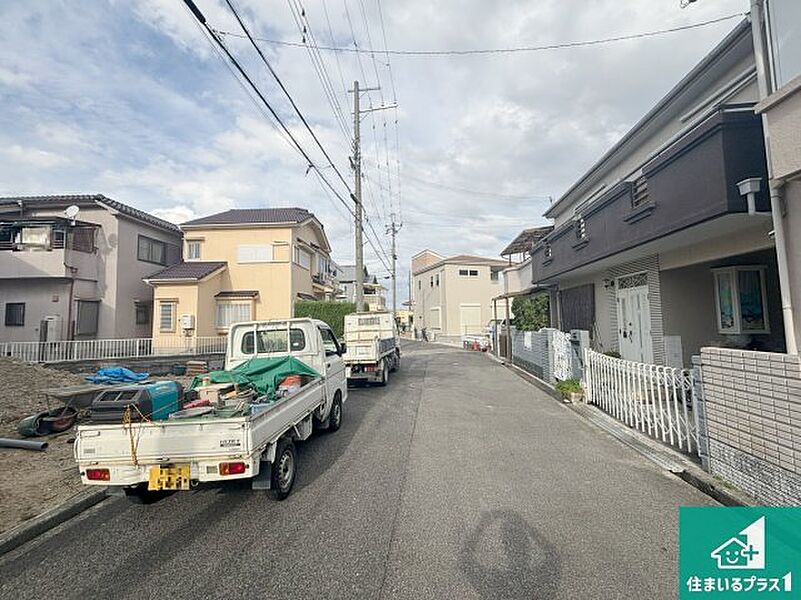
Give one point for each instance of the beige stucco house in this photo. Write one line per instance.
(72, 267)
(778, 40)
(453, 296)
(242, 264)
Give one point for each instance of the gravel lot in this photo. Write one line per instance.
(33, 482)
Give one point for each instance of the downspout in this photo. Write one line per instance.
(776, 188)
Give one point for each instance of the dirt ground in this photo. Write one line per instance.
(33, 482)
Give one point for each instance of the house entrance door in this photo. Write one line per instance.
(634, 318)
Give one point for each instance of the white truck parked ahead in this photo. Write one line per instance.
(372, 347)
(144, 458)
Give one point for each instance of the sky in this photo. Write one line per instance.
(131, 100)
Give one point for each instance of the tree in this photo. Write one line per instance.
(531, 312)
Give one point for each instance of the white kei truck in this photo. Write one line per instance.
(373, 348)
(144, 459)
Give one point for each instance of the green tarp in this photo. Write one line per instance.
(264, 374)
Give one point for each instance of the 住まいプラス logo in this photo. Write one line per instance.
(746, 550)
(739, 552)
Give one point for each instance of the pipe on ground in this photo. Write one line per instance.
(22, 444)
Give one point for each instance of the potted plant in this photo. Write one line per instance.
(571, 390)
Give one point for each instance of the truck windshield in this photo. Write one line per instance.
(273, 340)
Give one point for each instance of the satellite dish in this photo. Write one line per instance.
(71, 212)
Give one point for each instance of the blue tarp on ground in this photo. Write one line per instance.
(117, 375)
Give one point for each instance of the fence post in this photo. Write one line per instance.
(699, 411)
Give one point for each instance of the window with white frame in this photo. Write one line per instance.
(323, 264)
(229, 312)
(741, 300)
(547, 252)
(254, 253)
(436, 280)
(193, 250)
(784, 33)
(167, 316)
(302, 257)
(468, 272)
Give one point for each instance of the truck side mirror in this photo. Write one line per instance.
(342, 349)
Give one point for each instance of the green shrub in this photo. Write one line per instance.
(532, 313)
(332, 313)
(612, 354)
(569, 386)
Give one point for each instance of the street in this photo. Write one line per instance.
(457, 480)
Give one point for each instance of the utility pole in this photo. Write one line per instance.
(393, 229)
(357, 169)
(357, 195)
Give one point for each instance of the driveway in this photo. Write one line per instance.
(457, 480)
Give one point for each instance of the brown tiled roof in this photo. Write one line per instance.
(245, 216)
(66, 200)
(194, 270)
(466, 259)
(237, 294)
(526, 239)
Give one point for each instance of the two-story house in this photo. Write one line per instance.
(666, 244)
(452, 296)
(374, 292)
(241, 264)
(71, 267)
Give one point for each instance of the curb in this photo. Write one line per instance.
(532, 379)
(665, 458)
(33, 528)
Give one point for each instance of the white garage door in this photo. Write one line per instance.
(470, 319)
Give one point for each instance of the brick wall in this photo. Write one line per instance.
(753, 421)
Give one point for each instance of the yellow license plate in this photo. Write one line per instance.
(175, 477)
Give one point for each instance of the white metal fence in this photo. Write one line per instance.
(75, 350)
(656, 400)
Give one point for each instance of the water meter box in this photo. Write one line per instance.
(156, 401)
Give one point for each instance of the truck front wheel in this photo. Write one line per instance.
(283, 470)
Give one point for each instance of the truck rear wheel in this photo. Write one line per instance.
(335, 418)
(283, 470)
(384, 373)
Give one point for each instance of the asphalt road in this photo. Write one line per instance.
(457, 480)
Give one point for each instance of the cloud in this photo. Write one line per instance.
(129, 99)
(30, 156)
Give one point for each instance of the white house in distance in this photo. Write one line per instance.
(452, 296)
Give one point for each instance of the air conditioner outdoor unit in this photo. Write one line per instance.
(52, 326)
(187, 321)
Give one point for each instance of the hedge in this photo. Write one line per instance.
(332, 313)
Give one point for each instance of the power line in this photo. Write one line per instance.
(481, 193)
(302, 118)
(286, 93)
(513, 50)
(214, 39)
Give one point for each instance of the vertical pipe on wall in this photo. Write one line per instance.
(765, 88)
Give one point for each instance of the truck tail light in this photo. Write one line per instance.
(232, 468)
(98, 474)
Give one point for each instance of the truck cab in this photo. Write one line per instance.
(309, 340)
